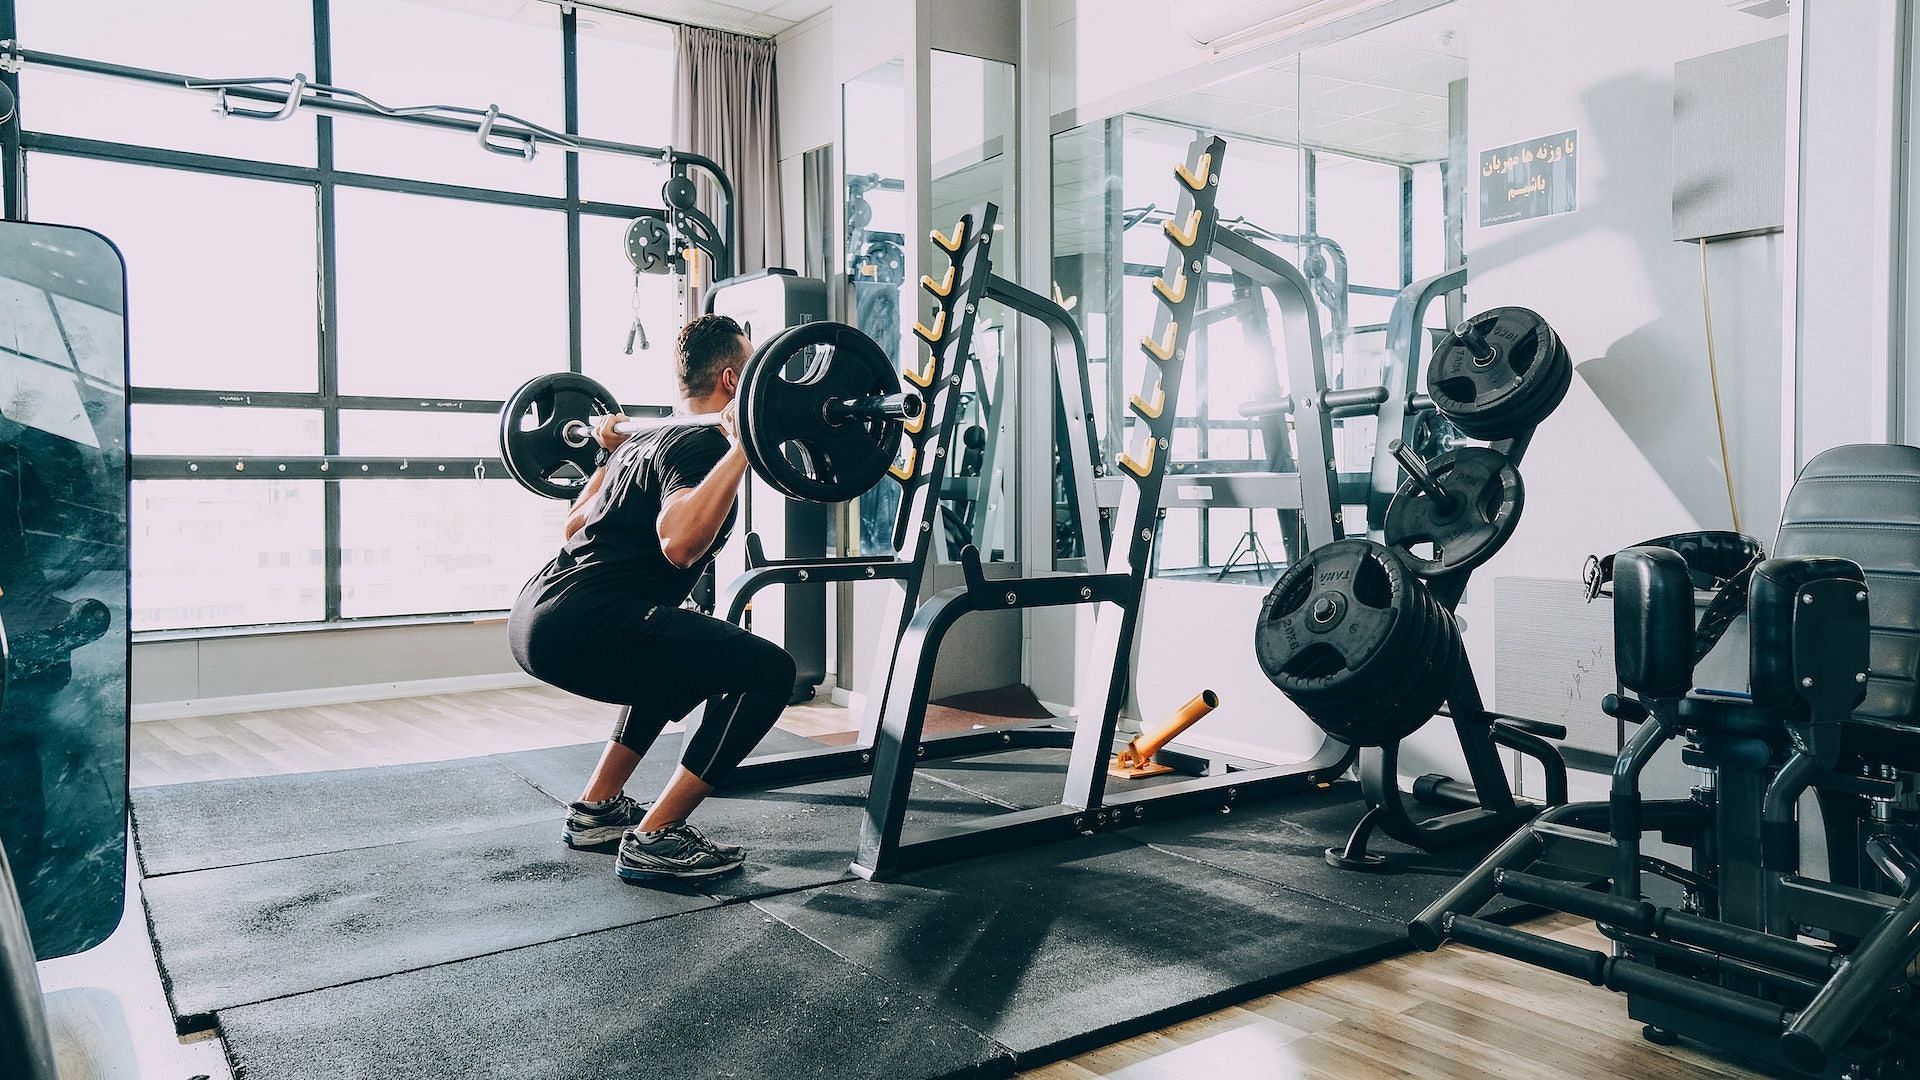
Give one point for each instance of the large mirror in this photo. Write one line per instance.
(1345, 160)
(874, 207)
(63, 580)
(972, 134)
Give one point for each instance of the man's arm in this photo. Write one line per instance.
(577, 514)
(609, 441)
(692, 517)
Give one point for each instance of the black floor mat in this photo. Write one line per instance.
(265, 929)
(1067, 946)
(1024, 778)
(248, 933)
(1285, 841)
(796, 837)
(560, 771)
(711, 994)
(228, 822)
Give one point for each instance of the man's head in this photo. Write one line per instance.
(711, 351)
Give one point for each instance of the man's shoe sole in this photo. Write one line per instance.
(588, 839)
(636, 876)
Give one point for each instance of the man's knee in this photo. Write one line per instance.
(781, 669)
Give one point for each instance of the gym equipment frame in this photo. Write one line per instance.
(1216, 784)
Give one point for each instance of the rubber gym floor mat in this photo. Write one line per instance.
(1285, 841)
(728, 992)
(249, 933)
(561, 771)
(210, 823)
(796, 837)
(1022, 778)
(1059, 948)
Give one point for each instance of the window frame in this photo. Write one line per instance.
(17, 148)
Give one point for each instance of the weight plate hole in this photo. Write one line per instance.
(1458, 388)
(1316, 661)
(1371, 586)
(1520, 356)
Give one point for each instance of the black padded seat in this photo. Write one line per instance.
(1862, 502)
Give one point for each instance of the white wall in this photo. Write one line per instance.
(239, 672)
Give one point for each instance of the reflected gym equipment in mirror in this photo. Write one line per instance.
(63, 581)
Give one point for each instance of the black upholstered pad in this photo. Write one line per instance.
(1862, 503)
(1066, 946)
(1285, 841)
(561, 771)
(728, 992)
(263, 930)
(228, 822)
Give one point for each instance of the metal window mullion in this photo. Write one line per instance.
(329, 313)
(1406, 226)
(13, 173)
(186, 160)
(570, 97)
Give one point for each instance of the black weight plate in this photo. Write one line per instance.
(772, 346)
(801, 453)
(1350, 714)
(1485, 397)
(1489, 498)
(1397, 673)
(1404, 705)
(1335, 619)
(533, 432)
(649, 245)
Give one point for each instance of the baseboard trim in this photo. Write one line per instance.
(328, 695)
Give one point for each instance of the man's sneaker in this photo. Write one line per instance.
(590, 827)
(677, 851)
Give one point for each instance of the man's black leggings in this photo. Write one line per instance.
(659, 662)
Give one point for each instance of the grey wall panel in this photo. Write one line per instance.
(1730, 142)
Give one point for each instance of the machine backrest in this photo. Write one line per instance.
(1862, 503)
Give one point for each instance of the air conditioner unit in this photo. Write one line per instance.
(1225, 24)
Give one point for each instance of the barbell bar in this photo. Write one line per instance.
(819, 413)
(835, 411)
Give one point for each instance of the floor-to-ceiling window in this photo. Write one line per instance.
(340, 286)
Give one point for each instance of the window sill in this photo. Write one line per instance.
(144, 637)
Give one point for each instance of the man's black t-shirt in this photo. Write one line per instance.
(619, 545)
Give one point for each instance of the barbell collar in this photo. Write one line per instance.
(905, 406)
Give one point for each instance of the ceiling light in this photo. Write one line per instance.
(585, 24)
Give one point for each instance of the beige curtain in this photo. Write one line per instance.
(725, 108)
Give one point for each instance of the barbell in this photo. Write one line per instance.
(819, 414)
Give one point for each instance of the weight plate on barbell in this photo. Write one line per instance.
(533, 432)
(783, 416)
(1435, 538)
(1512, 387)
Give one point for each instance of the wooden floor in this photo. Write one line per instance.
(1456, 1013)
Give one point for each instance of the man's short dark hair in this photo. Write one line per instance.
(707, 346)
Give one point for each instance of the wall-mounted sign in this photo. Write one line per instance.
(1530, 179)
